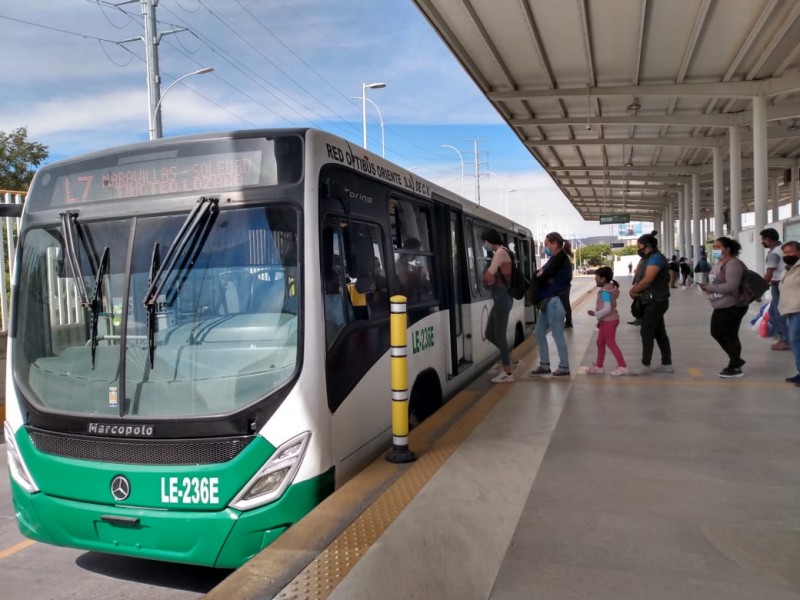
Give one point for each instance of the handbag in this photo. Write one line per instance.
(637, 309)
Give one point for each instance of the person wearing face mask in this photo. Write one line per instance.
(789, 305)
(723, 294)
(772, 274)
(552, 280)
(651, 285)
(496, 278)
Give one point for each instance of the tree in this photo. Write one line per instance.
(19, 159)
(596, 255)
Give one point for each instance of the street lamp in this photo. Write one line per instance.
(461, 158)
(155, 116)
(380, 118)
(507, 191)
(364, 87)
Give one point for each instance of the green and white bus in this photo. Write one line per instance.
(199, 348)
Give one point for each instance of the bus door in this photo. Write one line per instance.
(459, 340)
(528, 264)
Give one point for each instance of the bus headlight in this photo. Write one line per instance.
(16, 466)
(275, 476)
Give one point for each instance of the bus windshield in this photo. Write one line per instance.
(222, 335)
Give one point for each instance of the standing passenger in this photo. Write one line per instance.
(495, 278)
(773, 273)
(790, 302)
(723, 293)
(552, 279)
(651, 283)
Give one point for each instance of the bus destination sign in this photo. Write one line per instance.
(156, 176)
(616, 218)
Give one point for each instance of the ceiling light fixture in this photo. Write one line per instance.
(634, 106)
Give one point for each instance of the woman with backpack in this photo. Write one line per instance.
(723, 294)
(496, 278)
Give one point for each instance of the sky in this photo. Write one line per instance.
(74, 81)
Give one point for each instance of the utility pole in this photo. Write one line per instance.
(151, 40)
(477, 172)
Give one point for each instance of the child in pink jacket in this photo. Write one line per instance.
(607, 322)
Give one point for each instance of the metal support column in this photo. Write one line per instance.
(719, 211)
(736, 180)
(793, 190)
(696, 241)
(775, 198)
(759, 175)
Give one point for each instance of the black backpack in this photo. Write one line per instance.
(751, 287)
(518, 285)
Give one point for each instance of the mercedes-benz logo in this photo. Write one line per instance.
(120, 488)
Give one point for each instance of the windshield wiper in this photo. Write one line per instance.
(180, 259)
(97, 299)
(69, 228)
(155, 261)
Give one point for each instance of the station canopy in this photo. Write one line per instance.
(621, 101)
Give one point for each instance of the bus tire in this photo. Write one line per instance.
(425, 398)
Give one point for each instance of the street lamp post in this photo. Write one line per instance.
(155, 116)
(364, 88)
(507, 191)
(461, 158)
(380, 119)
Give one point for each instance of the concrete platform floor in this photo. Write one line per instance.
(677, 486)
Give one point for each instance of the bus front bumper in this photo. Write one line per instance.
(221, 539)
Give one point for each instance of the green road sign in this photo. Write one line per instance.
(618, 218)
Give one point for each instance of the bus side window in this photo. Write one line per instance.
(337, 309)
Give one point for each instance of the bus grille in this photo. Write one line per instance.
(140, 452)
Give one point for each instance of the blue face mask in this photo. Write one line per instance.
(548, 252)
(716, 254)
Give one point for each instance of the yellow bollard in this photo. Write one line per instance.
(400, 452)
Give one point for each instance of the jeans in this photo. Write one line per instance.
(552, 319)
(778, 322)
(725, 324)
(497, 324)
(793, 322)
(653, 330)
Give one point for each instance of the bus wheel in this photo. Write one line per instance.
(425, 398)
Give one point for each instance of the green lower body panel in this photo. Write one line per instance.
(225, 539)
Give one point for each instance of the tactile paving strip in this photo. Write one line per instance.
(326, 571)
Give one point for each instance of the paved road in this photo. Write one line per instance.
(34, 571)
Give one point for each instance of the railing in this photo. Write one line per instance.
(8, 248)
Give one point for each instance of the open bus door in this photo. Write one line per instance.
(452, 246)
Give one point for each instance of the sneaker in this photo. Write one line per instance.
(636, 322)
(741, 363)
(559, 372)
(794, 379)
(595, 370)
(663, 369)
(780, 346)
(727, 373)
(495, 369)
(568, 326)
(619, 371)
(540, 370)
(503, 378)
(643, 370)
